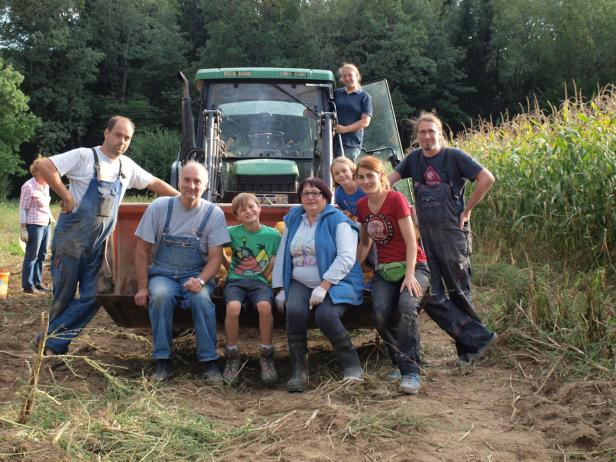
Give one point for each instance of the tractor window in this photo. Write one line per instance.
(267, 119)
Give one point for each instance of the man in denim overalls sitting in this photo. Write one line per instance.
(98, 179)
(183, 238)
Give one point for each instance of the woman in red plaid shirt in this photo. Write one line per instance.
(35, 219)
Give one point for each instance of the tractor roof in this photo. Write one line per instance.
(268, 73)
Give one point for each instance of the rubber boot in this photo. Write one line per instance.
(347, 355)
(298, 353)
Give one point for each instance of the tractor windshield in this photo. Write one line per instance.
(275, 120)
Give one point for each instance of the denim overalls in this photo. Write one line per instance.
(177, 259)
(448, 250)
(77, 249)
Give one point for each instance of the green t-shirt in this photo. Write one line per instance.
(251, 252)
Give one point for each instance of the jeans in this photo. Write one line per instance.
(165, 294)
(327, 315)
(395, 317)
(349, 151)
(69, 314)
(36, 251)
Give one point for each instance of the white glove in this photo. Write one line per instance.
(279, 300)
(23, 235)
(317, 296)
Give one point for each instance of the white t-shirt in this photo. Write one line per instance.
(78, 166)
(184, 223)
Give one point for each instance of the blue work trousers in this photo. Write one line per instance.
(68, 273)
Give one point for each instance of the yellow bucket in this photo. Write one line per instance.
(4, 283)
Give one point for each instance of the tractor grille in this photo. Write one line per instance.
(267, 183)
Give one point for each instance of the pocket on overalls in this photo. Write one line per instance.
(431, 208)
(105, 202)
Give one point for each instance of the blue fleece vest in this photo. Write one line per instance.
(348, 290)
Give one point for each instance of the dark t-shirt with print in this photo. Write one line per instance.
(383, 227)
(451, 165)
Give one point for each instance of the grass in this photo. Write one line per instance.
(135, 423)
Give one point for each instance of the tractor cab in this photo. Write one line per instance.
(261, 130)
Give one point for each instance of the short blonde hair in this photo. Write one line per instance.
(243, 199)
(34, 166)
(351, 66)
(343, 160)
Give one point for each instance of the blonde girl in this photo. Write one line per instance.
(348, 192)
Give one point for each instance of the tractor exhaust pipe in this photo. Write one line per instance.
(188, 121)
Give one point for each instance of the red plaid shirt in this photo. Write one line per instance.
(34, 201)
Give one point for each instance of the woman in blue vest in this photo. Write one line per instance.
(316, 268)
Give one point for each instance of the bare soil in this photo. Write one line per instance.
(507, 407)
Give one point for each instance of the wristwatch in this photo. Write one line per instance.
(201, 281)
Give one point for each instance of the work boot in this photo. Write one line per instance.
(347, 355)
(299, 363)
(468, 358)
(163, 371)
(410, 384)
(232, 365)
(210, 372)
(268, 368)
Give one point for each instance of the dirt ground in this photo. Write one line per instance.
(505, 408)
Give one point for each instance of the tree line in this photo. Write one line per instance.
(76, 62)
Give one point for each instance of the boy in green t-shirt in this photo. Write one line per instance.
(253, 249)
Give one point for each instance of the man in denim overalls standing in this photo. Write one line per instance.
(439, 175)
(98, 178)
(183, 237)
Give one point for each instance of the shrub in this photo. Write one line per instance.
(155, 150)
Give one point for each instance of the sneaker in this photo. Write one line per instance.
(163, 370)
(410, 384)
(31, 290)
(468, 358)
(42, 288)
(393, 374)
(211, 373)
(268, 367)
(232, 366)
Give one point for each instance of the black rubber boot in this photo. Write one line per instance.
(347, 355)
(298, 353)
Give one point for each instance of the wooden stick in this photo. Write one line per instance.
(38, 360)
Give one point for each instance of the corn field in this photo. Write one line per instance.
(555, 196)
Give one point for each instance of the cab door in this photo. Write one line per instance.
(381, 138)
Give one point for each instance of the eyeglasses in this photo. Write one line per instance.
(314, 194)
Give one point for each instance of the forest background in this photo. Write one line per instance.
(67, 65)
